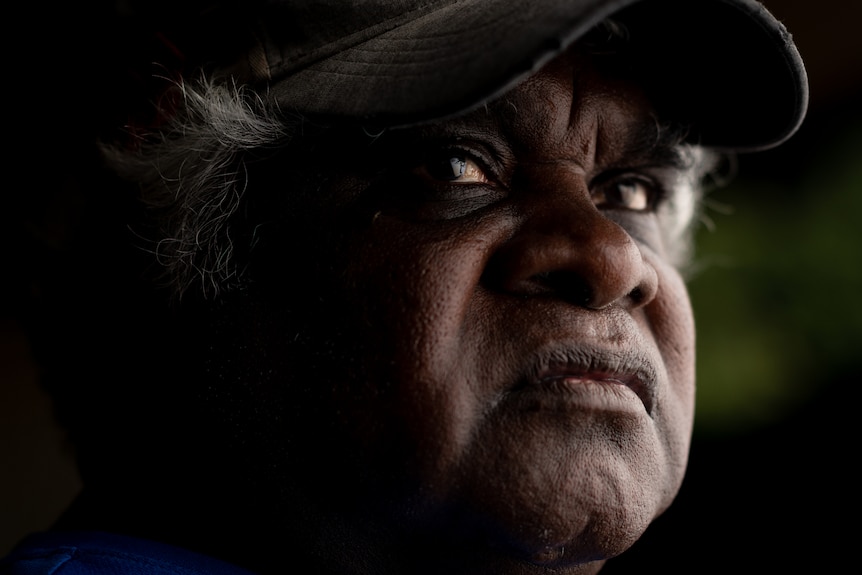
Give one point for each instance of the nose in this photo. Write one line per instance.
(565, 247)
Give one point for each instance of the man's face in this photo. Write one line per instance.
(496, 351)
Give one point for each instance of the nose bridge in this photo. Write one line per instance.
(568, 248)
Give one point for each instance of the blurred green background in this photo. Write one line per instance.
(779, 280)
(776, 293)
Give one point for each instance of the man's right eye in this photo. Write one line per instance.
(453, 167)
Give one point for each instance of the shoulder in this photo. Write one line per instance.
(97, 553)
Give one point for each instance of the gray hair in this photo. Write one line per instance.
(193, 172)
(683, 209)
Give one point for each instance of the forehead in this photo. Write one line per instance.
(578, 102)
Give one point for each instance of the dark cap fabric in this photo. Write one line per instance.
(726, 67)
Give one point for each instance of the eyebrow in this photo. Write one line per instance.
(659, 144)
(647, 143)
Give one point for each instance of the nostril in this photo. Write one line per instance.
(566, 284)
(592, 266)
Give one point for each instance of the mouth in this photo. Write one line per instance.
(603, 378)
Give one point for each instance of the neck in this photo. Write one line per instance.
(331, 543)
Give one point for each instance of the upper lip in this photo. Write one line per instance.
(629, 367)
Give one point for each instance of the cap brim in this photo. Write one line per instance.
(726, 67)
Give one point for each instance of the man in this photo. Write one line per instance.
(400, 286)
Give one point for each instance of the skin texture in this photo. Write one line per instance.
(491, 374)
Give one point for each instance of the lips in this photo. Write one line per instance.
(599, 372)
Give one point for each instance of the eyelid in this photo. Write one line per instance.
(635, 172)
(475, 151)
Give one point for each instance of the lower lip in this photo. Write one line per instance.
(577, 394)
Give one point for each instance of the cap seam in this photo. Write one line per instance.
(324, 51)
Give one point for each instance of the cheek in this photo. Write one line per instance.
(672, 321)
(415, 286)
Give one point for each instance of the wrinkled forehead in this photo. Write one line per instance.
(586, 96)
(579, 94)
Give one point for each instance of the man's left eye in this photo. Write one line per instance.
(629, 193)
(455, 168)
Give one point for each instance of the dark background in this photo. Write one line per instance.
(772, 483)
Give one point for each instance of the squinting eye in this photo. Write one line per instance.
(456, 168)
(634, 194)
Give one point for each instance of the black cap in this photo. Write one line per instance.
(727, 68)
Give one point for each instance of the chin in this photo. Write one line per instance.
(541, 497)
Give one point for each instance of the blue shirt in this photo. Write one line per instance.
(96, 553)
